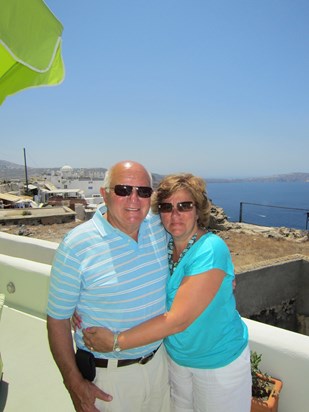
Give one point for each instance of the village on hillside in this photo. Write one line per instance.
(56, 196)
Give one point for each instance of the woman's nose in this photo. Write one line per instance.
(175, 211)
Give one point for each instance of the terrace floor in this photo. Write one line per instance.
(31, 381)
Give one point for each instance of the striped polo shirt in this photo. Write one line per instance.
(111, 279)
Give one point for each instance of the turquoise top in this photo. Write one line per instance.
(218, 335)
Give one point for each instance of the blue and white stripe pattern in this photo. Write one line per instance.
(109, 278)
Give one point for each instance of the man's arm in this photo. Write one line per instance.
(83, 393)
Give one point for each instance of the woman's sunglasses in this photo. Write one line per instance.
(180, 206)
(126, 190)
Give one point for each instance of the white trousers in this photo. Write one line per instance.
(226, 389)
(136, 388)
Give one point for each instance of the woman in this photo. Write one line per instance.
(205, 337)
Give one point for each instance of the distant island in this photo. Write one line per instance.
(9, 170)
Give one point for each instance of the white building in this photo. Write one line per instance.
(66, 178)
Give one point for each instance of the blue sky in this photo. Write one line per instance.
(218, 88)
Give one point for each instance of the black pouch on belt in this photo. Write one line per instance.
(85, 363)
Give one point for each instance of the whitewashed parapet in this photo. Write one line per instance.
(2, 297)
(25, 284)
(285, 355)
(36, 250)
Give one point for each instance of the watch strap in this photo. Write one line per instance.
(116, 347)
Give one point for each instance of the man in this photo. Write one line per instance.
(112, 270)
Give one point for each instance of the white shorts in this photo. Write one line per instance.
(226, 389)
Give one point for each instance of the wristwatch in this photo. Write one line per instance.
(116, 347)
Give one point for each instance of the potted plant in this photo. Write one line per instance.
(265, 388)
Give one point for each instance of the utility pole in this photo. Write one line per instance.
(26, 171)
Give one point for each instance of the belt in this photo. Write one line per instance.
(103, 363)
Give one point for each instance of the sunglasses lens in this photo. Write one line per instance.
(126, 190)
(144, 191)
(165, 207)
(185, 206)
(123, 190)
(181, 207)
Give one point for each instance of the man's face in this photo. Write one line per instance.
(127, 212)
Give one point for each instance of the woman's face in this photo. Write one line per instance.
(180, 224)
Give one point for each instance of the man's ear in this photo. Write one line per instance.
(103, 193)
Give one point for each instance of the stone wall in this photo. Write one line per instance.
(276, 293)
(33, 216)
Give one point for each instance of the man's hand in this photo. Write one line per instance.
(84, 394)
(98, 339)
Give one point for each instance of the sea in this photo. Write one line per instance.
(275, 204)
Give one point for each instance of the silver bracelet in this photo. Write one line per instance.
(116, 347)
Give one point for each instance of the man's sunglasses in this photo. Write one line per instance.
(180, 206)
(126, 190)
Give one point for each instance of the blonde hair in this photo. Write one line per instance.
(194, 185)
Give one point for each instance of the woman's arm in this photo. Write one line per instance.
(192, 298)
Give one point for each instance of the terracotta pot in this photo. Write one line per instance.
(270, 404)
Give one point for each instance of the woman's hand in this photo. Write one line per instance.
(76, 321)
(98, 339)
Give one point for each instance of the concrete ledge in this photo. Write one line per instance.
(285, 355)
(25, 284)
(31, 216)
(2, 298)
(27, 248)
(276, 293)
(270, 262)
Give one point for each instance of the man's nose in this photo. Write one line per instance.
(134, 196)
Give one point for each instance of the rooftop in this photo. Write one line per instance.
(31, 381)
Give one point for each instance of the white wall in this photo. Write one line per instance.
(25, 264)
(285, 355)
(27, 248)
(25, 284)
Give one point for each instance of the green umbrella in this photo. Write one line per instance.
(30, 46)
